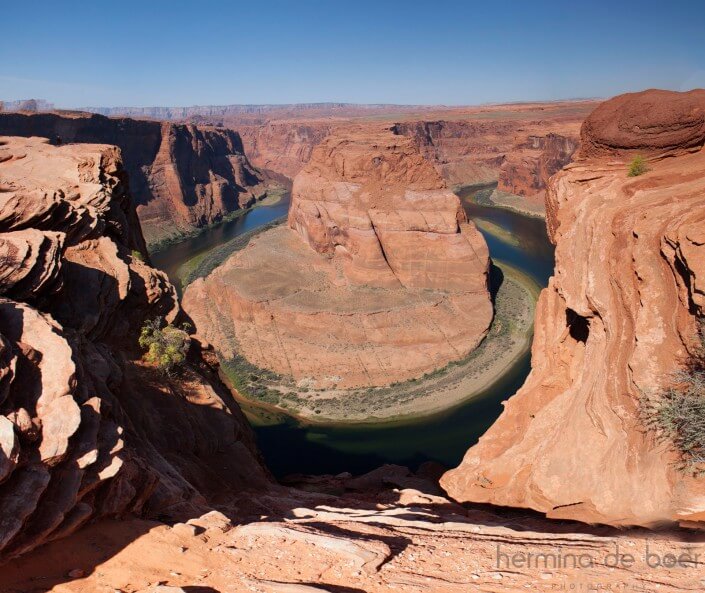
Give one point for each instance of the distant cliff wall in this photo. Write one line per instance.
(182, 176)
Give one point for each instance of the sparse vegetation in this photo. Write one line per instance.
(166, 346)
(637, 166)
(514, 306)
(677, 413)
(203, 264)
(137, 255)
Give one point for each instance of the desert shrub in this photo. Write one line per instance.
(677, 413)
(637, 166)
(166, 346)
(137, 255)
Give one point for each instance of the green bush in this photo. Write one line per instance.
(678, 412)
(637, 166)
(166, 346)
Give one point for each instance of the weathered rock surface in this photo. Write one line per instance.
(519, 154)
(341, 541)
(617, 318)
(528, 166)
(371, 200)
(650, 121)
(85, 430)
(379, 278)
(182, 176)
(518, 145)
(283, 147)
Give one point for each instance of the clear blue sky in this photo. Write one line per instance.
(149, 52)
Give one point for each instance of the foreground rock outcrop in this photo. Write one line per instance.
(618, 317)
(380, 277)
(86, 430)
(396, 535)
(182, 176)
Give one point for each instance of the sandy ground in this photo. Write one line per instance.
(523, 205)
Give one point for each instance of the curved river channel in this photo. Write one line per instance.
(290, 446)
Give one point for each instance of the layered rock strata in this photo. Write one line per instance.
(379, 276)
(182, 176)
(86, 430)
(618, 317)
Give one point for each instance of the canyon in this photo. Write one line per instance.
(618, 318)
(517, 146)
(367, 283)
(182, 177)
(139, 482)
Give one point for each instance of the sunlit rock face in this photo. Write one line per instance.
(86, 430)
(378, 277)
(618, 317)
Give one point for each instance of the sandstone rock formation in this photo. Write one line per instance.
(379, 278)
(334, 539)
(519, 154)
(519, 146)
(86, 430)
(282, 147)
(528, 166)
(182, 176)
(617, 318)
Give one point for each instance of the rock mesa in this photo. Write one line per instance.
(379, 276)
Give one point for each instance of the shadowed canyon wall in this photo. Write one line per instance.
(182, 176)
(86, 429)
(618, 317)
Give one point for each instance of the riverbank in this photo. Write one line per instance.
(272, 196)
(487, 194)
(204, 263)
(266, 396)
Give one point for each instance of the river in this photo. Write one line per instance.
(292, 447)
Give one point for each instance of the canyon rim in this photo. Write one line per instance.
(352, 299)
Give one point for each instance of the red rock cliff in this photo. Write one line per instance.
(618, 316)
(182, 176)
(86, 430)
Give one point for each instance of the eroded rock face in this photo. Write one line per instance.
(373, 202)
(519, 146)
(282, 146)
(86, 431)
(182, 176)
(379, 277)
(650, 121)
(529, 165)
(519, 153)
(617, 318)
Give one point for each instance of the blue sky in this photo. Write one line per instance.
(438, 52)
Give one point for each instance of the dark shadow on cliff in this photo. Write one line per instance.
(496, 279)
